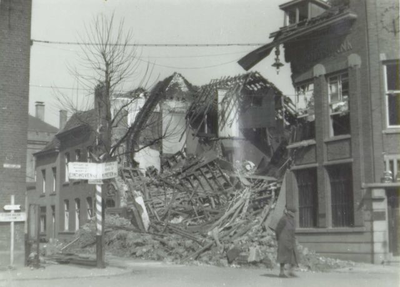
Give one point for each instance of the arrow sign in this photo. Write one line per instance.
(12, 207)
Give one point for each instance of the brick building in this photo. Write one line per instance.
(15, 31)
(40, 134)
(344, 177)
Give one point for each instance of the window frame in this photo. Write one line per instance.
(307, 184)
(66, 215)
(389, 92)
(67, 159)
(78, 155)
(89, 208)
(394, 161)
(77, 205)
(43, 219)
(342, 195)
(43, 181)
(54, 185)
(341, 98)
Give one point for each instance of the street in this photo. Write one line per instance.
(160, 274)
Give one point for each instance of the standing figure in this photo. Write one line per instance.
(285, 236)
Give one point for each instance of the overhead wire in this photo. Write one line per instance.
(146, 44)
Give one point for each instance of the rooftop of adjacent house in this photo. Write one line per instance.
(331, 16)
(76, 120)
(37, 125)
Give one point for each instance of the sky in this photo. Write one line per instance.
(152, 22)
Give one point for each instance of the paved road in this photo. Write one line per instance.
(157, 274)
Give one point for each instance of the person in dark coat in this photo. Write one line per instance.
(285, 236)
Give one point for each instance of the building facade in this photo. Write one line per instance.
(40, 134)
(343, 178)
(15, 32)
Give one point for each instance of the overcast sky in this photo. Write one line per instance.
(153, 22)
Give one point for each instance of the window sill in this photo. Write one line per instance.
(391, 131)
(304, 143)
(53, 193)
(42, 195)
(330, 230)
(66, 183)
(76, 182)
(337, 138)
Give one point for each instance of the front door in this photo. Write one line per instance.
(394, 221)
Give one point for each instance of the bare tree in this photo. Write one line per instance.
(110, 61)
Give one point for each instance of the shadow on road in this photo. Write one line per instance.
(270, 275)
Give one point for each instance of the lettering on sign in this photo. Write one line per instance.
(11, 217)
(12, 166)
(92, 171)
(109, 170)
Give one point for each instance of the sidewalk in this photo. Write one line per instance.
(119, 266)
(61, 271)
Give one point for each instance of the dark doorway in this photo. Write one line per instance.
(394, 221)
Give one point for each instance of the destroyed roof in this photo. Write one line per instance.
(131, 94)
(330, 17)
(252, 83)
(37, 125)
(175, 87)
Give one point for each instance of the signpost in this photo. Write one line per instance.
(12, 217)
(95, 173)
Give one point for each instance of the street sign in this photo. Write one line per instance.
(11, 217)
(12, 207)
(109, 170)
(12, 166)
(95, 171)
(82, 170)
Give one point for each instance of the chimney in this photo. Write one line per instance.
(40, 110)
(63, 118)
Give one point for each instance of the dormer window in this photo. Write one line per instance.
(297, 11)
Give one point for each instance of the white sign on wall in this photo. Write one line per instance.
(92, 171)
(11, 217)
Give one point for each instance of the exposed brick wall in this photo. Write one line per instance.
(15, 29)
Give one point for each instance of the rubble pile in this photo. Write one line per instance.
(197, 214)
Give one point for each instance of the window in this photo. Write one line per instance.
(42, 219)
(338, 86)
(54, 170)
(67, 160)
(110, 202)
(89, 207)
(77, 213)
(66, 215)
(341, 180)
(392, 164)
(308, 197)
(392, 90)
(43, 181)
(89, 151)
(78, 155)
(305, 99)
(53, 220)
